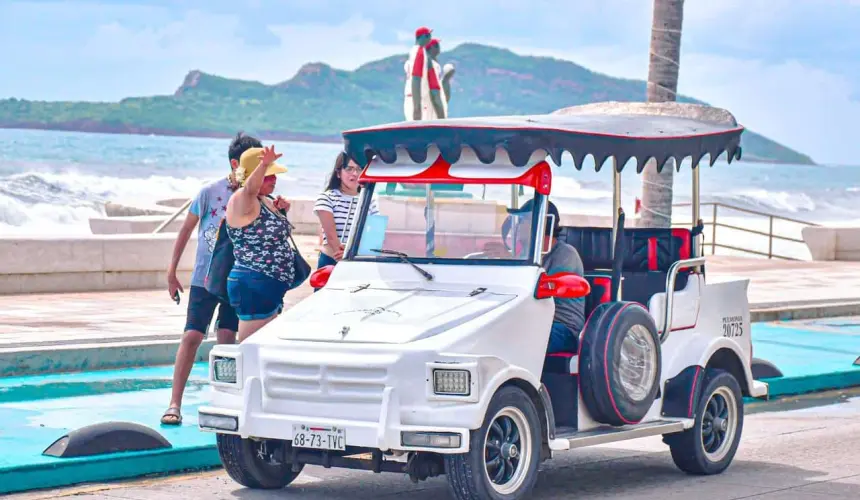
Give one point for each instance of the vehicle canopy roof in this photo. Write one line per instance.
(620, 130)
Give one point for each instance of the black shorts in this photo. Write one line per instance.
(201, 309)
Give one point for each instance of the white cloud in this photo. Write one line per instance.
(209, 43)
(792, 103)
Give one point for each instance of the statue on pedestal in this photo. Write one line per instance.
(444, 74)
(427, 91)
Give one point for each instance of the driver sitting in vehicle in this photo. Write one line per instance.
(569, 316)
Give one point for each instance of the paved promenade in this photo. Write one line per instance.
(44, 320)
(804, 449)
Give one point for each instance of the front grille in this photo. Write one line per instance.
(324, 382)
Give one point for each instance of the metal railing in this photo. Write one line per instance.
(173, 217)
(712, 225)
(178, 212)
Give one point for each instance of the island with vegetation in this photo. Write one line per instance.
(320, 101)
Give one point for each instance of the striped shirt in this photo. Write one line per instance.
(344, 208)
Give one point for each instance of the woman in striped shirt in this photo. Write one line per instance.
(336, 208)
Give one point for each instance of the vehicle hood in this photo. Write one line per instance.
(374, 315)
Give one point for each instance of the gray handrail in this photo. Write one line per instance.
(748, 211)
(174, 216)
(770, 235)
(670, 292)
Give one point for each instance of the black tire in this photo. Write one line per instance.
(693, 450)
(611, 392)
(469, 473)
(240, 460)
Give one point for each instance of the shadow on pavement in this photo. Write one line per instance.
(618, 474)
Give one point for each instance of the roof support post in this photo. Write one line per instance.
(540, 228)
(430, 218)
(616, 201)
(697, 215)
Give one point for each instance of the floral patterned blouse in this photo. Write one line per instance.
(264, 246)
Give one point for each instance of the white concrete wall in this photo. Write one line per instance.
(407, 214)
(833, 243)
(90, 263)
(123, 254)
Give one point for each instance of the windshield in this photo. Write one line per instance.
(456, 229)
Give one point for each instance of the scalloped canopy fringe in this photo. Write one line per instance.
(620, 137)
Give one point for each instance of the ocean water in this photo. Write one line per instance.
(53, 182)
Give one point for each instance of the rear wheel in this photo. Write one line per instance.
(502, 462)
(620, 363)
(255, 464)
(711, 444)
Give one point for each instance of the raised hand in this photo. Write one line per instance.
(269, 156)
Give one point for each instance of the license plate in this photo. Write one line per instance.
(319, 437)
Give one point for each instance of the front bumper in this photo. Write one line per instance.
(384, 434)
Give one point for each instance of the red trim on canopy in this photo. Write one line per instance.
(538, 177)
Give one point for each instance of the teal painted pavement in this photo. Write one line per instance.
(813, 355)
(35, 411)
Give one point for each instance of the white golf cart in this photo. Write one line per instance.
(425, 353)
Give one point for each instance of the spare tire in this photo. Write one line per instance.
(620, 363)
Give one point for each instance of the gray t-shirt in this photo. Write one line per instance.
(211, 206)
(565, 258)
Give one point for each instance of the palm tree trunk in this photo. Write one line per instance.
(662, 86)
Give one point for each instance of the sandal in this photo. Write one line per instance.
(172, 416)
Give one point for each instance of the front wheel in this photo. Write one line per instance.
(710, 445)
(255, 464)
(503, 458)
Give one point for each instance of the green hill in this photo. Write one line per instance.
(320, 101)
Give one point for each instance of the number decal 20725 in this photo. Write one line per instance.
(733, 326)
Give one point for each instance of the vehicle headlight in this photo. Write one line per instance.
(224, 369)
(452, 382)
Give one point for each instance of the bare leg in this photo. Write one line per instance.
(248, 328)
(185, 356)
(226, 336)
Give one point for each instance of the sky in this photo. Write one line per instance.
(786, 68)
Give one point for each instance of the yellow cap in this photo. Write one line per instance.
(250, 160)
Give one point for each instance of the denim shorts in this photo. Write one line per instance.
(255, 295)
(201, 309)
(561, 339)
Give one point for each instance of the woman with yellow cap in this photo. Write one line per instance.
(265, 263)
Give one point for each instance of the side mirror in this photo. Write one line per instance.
(319, 278)
(562, 286)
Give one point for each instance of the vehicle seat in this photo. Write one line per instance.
(648, 255)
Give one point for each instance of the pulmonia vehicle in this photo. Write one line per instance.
(425, 352)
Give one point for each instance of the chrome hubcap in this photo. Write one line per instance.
(637, 368)
(719, 424)
(507, 452)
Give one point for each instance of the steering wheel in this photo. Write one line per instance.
(477, 255)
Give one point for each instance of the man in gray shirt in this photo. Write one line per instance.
(569, 316)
